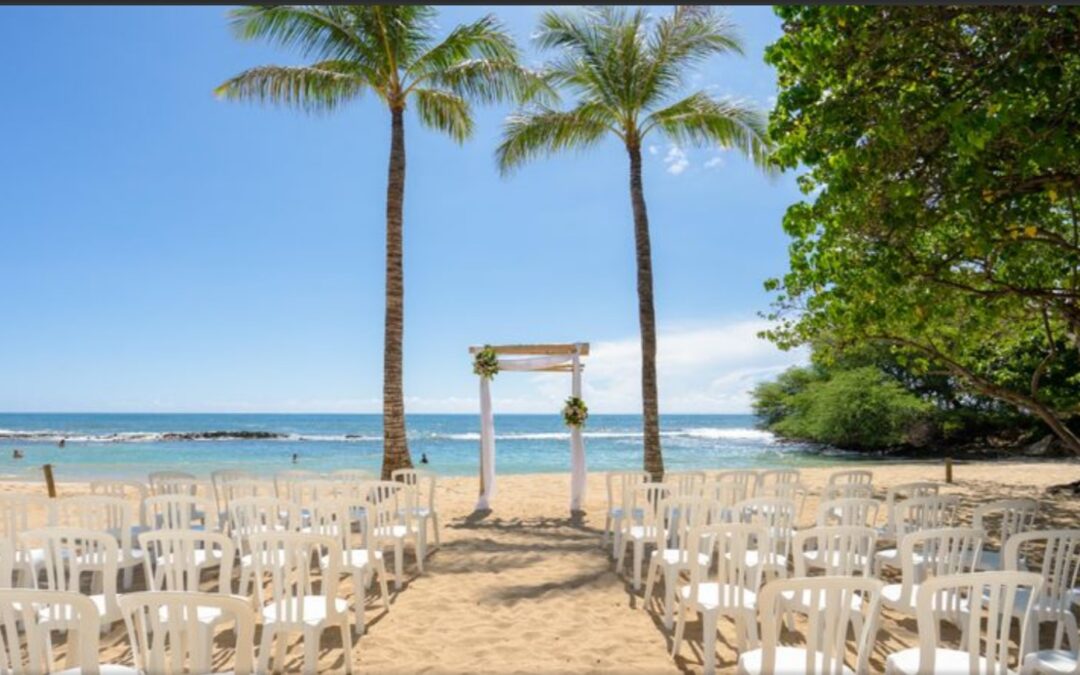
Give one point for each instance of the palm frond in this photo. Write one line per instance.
(444, 111)
(702, 120)
(682, 40)
(543, 131)
(484, 38)
(310, 88)
(326, 31)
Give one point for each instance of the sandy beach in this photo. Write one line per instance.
(526, 588)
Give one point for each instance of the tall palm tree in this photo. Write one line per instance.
(391, 52)
(625, 70)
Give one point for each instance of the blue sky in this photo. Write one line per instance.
(161, 250)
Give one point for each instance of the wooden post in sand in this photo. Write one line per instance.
(50, 484)
(948, 470)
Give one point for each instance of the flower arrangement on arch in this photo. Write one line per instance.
(575, 412)
(486, 363)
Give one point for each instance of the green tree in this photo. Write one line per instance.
(942, 156)
(625, 71)
(391, 52)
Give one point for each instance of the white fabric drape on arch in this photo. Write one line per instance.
(487, 429)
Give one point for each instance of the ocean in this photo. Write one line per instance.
(132, 445)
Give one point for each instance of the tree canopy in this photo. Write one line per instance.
(940, 150)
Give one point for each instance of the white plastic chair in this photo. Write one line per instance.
(847, 477)
(981, 652)
(685, 483)
(293, 606)
(796, 493)
(847, 491)
(746, 478)
(852, 511)
(258, 515)
(17, 515)
(176, 483)
(729, 591)
(167, 637)
(842, 551)
(1058, 556)
(839, 603)
(645, 499)
(70, 553)
(111, 515)
(284, 481)
(1011, 516)
(898, 493)
(942, 552)
(232, 484)
(126, 489)
(769, 480)
(7, 564)
(914, 515)
(778, 515)
(619, 485)
(360, 560)
(725, 496)
(392, 504)
(424, 510)
(29, 651)
(679, 517)
(180, 512)
(1055, 661)
(176, 559)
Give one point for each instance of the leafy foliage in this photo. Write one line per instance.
(486, 363)
(942, 147)
(861, 408)
(575, 412)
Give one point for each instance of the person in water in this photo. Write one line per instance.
(62, 443)
(423, 458)
(295, 458)
(17, 454)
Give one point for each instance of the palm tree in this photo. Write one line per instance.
(625, 70)
(391, 52)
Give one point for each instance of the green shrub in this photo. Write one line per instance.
(862, 408)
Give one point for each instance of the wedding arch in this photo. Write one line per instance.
(559, 358)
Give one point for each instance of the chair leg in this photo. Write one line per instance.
(639, 550)
(311, 650)
(129, 576)
(360, 598)
(279, 651)
(263, 664)
(421, 548)
(680, 626)
(399, 564)
(621, 556)
(671, 577)
(607, 530)
(708, 641)
(435, 529)
(383, 585)
(346, 639)
(650, 580)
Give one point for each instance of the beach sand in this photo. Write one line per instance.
(526, 588)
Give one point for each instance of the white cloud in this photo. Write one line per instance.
(714, 162)
(676, 160)
(653, 149)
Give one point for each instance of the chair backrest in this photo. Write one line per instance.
(422, 481)
(175, 559)
(391, 503)
(1055, 555)
(832, 605)
(125, 489)
(284, 558)
(730, 542)
(770, 479)
(71, 552)
(112, 515)
(352, 483)
(335, 518)
(285, 482)
(748, 478)
(19, 513)
(255, 515)
(7, 563)
(679, 517)
(645, 500)
(173, 483)
(177, 511)
(1006, 517)
(218, 481)
(770, 511)
(924, 513)
(898, 493)
(847, 491)
(353, 475)
(842, 550)
(685, 483)
(943, 552)
(167, 637)
(852, 511)
(994, 595)
(621, 483)
(725, 494)
(25, 645)
(858, 476)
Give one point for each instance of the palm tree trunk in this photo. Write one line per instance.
(395, 447)
(654, 460)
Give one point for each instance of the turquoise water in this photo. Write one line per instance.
(132, 445)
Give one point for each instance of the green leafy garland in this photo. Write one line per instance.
(486, 363)
(575, 412)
